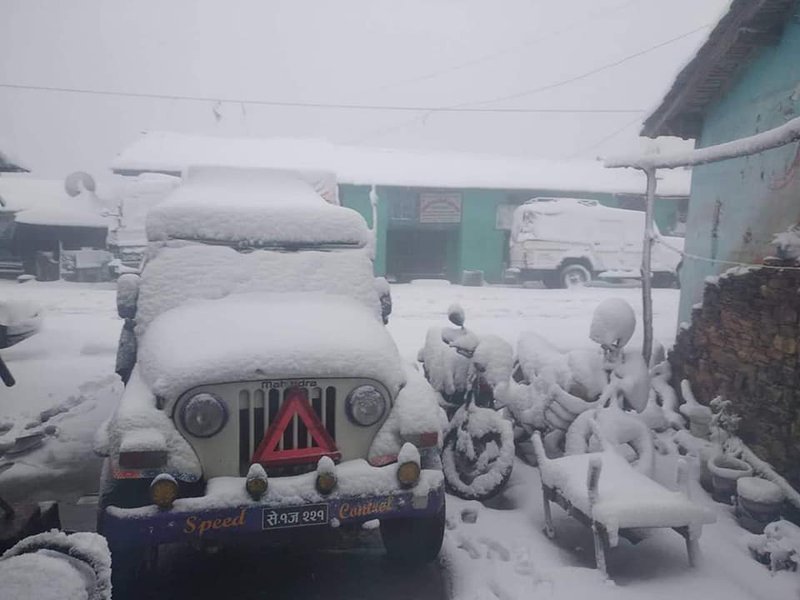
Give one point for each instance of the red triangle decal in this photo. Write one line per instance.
(295, 404)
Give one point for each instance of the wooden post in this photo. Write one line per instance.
(647, 286)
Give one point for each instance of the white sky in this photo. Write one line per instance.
(386, 52)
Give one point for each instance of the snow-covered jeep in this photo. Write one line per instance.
(265, 398)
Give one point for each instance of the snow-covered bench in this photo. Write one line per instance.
(604, 492)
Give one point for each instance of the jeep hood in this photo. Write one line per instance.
(266, 336)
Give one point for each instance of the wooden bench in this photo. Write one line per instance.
(602, 491)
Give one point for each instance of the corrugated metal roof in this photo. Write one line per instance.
(748, 26)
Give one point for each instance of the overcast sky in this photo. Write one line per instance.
(421, 53)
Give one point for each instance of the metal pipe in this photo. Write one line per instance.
(647, 285)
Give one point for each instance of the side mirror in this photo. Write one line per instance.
(127, 295)
(456, 314)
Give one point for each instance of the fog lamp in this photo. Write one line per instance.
(164, 491)
(326, 482)
(408, 474)
(257, 482)
(326, 475)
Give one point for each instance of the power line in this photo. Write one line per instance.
(315, 105)
(549, 86)
(589, 73)
(605, 138)
(493, 55)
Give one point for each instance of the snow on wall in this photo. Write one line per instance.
(173, 152)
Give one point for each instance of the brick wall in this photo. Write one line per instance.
(743, 344)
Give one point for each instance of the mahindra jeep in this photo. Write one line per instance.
(264, 399)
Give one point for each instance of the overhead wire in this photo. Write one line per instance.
(550, 86)
(313, 105)
(589, 17)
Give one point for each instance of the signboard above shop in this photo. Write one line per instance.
(440, 207)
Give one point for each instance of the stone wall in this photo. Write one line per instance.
(743, 344)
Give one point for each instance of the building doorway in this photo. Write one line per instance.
(419, 254)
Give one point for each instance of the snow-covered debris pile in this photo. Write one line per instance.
(415, 412)
(613, 323)
(253, 207)
(445, 368)
(787, 243)
(494, 357)
(778, 547)
(234, 338)
(57, 566)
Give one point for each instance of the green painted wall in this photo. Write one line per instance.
(737, 205)
(482, 244)
(357, 198)
(478, 244)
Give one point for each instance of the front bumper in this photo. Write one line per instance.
(226, 512)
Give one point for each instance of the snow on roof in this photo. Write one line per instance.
(44, 202)
(23, 192)
(173, 152)
(256, 206)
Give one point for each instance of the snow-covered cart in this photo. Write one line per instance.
(602, 491)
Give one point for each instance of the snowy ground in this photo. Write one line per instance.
(503, 556)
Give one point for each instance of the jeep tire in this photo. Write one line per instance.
(413, 541)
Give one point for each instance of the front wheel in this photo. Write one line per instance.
(414, 540)
(574, 276)
(478, 453)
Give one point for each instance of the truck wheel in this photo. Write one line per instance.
(415, 541)
(574, 276)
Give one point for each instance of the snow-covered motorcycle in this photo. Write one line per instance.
(478, 448)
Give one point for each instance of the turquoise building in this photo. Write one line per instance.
(439, 214)
(744, 80)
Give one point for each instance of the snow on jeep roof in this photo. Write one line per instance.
(257, 207)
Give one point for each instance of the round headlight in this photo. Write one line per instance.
(203, 415)
(365, 405)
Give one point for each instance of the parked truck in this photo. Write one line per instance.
(568, 242)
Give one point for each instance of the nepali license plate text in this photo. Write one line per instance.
(295, 516)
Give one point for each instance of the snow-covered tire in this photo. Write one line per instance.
(574, 275)
(478, 453)
(415, 541)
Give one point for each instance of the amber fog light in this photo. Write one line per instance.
(408, 474)
(325, 483)
(257, 482)
(326, 475)
(164, 491)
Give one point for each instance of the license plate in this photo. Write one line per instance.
(295, 516)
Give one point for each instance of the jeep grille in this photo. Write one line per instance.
(258, 408)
